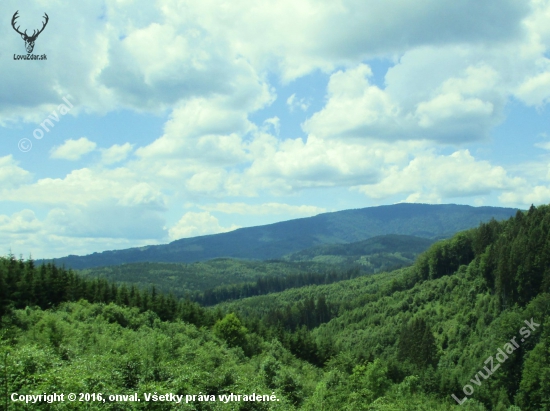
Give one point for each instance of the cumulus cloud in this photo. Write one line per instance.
(87, 185)
(272, 123)
(461, 107)
(309, 35)
(294, 164)
(294, 104)
(151, 55)
(72, 230)
(116, 153)
(434, 178)
(45, 244)
(73, 149)
(140, 57)
(453, 69)
(106, 220)
(21, 222)
(526, 196)
(264, 209)
(194, 224)
(11, 175)
(535, 91)
(32, 94)
(202, 129)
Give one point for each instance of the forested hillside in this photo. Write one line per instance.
(438, 320)
(219, 280)
(380, 253)
(182, 279)
(224, 279)
(469, 319)
(274, 241)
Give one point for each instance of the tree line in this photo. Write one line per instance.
(271, 284)
(23, 284)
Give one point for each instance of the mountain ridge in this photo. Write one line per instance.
(273, 241)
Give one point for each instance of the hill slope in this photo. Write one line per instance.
(468, 323)
(228, 278)
(181, 279)
(276, 240)
(436, 324)
(380, 253)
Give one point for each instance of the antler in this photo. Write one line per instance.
(43, 27)
(34, 33)
(15, 16)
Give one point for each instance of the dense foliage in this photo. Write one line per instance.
(272, 284)
(98, 348)
(225, 279)
(442, 318)
(380, 253)
(24, 285)
(183, 279)
(405, 340)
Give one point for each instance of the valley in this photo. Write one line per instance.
(409, 338)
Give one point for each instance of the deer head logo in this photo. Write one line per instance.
(29, 40)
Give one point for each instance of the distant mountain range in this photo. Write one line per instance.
(381, 253)
(275, 241)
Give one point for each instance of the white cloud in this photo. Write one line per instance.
(264, 209)
(195, 224)
(274, 123)
(462, 106)
(71, 230)
(203, 130)
(21, 222)
(456, 64)
(45, 244)
(11, 175)
(354, 107)
(309, 35)
(84, 186)
(106, 220)
(207, 181)
(151, 55)
(145, 195)
(73, 149)
(291, 165)
(141, 57)
(433, 178)
(116, 153)
(293, 103)
(526, 196)
(535, 91)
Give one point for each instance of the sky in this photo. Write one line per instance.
(151, 121)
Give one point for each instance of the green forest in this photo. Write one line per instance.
(186, 279)
(223, 279)
(380, 253)
(467, 323)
